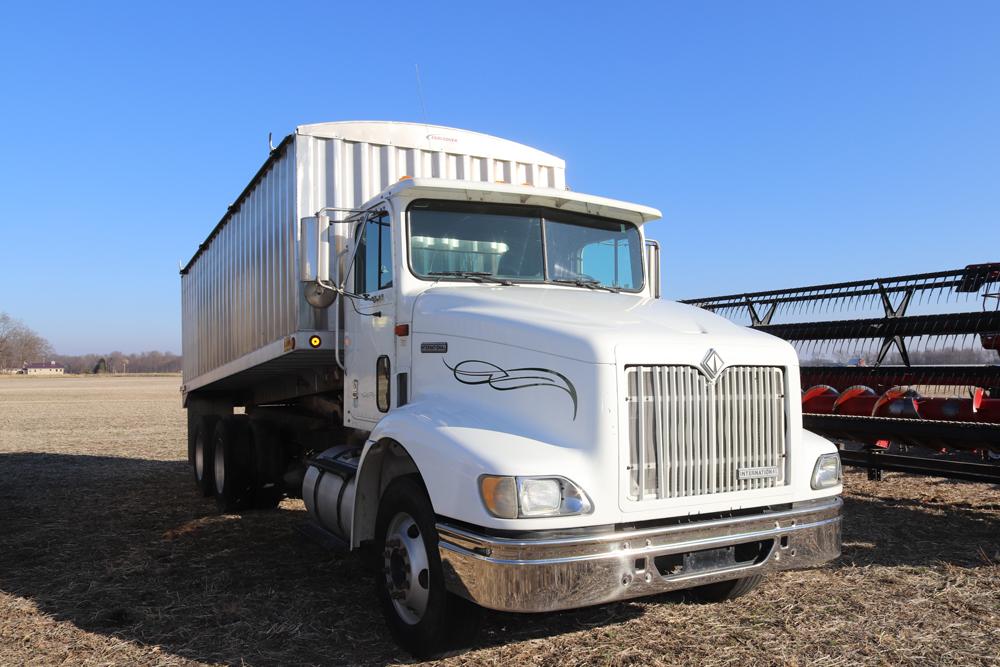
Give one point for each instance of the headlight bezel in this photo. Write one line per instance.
(821, 478)
(495, 493)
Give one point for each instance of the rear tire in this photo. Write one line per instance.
(233, 464)
(202, 454)
(269, 465)
(726, 590)
(423, 617)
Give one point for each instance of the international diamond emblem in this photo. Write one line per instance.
(712, 364)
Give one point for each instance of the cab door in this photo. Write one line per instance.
(369, 341)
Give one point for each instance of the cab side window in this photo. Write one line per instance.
(373, 263)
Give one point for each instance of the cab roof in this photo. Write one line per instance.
(504, 193)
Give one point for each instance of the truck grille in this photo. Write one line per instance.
(690, 437)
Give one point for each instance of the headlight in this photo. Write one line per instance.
(827, 471)
(539, 496)
(524, 497)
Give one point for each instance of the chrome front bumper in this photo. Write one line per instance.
(529, 575)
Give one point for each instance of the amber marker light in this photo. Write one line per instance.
(315, 341)
(499, 494)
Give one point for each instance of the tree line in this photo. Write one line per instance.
(19, 345)
(119, 362)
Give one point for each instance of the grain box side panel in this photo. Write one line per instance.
(239, 292)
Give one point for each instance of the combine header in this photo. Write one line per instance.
(908, 360)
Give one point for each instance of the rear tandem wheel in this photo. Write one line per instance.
(201, 454)
(233, 464)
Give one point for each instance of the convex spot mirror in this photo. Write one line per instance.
(319, 296)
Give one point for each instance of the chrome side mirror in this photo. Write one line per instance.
(653, 267)
(314, 261)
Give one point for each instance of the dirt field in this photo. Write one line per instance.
(107, 556)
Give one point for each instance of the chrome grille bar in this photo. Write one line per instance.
(690, 437)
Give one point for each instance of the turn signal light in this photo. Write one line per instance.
(499, 495)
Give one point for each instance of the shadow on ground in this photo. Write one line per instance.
(904, 531)
(124, 547)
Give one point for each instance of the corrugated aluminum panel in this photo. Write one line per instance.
(346, 164)
(689, 436)
(241, 289)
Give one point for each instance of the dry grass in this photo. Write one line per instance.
(108, 557)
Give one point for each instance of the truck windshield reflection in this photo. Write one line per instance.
(469, 241)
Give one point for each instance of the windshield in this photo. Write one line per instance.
(469, 241)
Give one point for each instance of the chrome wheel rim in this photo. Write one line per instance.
(199, 457)
(220, 467)
(406, 568)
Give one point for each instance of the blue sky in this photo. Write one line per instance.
(785, 142)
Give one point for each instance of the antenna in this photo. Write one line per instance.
(270, 144)
(420, 93)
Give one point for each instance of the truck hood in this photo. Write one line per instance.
(575, 323)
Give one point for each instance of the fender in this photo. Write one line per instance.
(816, 444)
(451, 444)
(450, 451)
(810, 448)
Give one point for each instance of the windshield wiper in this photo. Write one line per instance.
(589, 284)
(477, 276)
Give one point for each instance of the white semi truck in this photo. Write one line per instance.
(467, 372)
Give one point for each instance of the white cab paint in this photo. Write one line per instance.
(243, 304)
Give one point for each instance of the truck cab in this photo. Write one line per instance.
(502, 411)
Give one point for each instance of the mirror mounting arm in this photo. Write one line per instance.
(320, 290)
(337, 284)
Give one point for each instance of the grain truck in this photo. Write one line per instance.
(468, 374)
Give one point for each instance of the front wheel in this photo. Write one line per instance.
(422, 616)
(726, 590)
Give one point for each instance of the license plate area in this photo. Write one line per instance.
(713, 560)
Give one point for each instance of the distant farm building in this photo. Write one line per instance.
(51, 368)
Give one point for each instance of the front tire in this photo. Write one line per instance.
(726, 590)
(422, 616)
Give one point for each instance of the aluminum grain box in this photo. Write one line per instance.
(242, 302)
